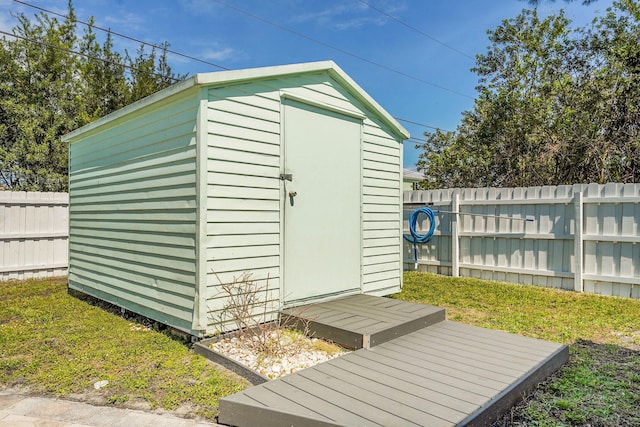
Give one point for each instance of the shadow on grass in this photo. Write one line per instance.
(599, 386)
(142, 321)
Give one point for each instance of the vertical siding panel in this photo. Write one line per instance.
(31, 240)
(548, 259)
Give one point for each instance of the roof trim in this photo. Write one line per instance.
(411, 175)
(151, 99)
(218, 78)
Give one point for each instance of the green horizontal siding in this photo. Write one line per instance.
(245, 192)
(382, 264)
(243, 195)
(133, 212)
(134, 215)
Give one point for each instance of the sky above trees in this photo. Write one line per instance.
(557, 105)
(420, 52)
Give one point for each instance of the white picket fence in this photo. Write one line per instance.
(583, 237)
(34, 234)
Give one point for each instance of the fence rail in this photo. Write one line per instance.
(34, 234)
(583, 237)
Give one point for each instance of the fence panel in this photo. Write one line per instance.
(581, 237)
(34, 234)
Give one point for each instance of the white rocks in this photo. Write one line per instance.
(278, 352)
(100, 384)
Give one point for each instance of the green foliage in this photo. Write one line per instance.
(556, 105)
(47, 90)
(56, 344)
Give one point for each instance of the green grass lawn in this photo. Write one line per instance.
(599, 386)
(56, 344)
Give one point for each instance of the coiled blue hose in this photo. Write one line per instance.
(416, 237)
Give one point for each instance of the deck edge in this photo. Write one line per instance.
(496, 407)
(202, 348)
(343, 337)
(406, 328)
(245, 415)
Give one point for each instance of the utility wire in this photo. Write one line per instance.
(417, 30)
(160, 47)
(193, 58)
(337, 49)
(414, 139)
(75, 52)
(64, 49)
(421, 124)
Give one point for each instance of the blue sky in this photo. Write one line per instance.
(437, 85)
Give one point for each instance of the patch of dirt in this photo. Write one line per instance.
(630, 340)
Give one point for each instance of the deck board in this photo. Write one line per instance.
(471, 340)
(443, 374)
(463, 371)
(374, 400)
(397, 388)
(489, 356)
(363, 320)
(501, 337)
(441, 378)
(477, 363)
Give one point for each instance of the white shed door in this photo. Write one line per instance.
(322, 228)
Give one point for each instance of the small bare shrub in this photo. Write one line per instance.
(249, 307)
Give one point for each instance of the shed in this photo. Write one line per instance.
(292, 174)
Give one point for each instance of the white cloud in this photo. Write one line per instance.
(329, 15)
(125, 22)
(8, 9)
(218, 54)
(6, 21)
(350, 15)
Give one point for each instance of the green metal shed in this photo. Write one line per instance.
(290, 173)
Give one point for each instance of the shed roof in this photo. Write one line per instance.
(220, 78)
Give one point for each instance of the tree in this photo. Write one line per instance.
(555, 105)
(38, 105)
(105, 87)
(48, 90)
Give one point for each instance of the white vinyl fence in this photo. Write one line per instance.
(34, 234)
(583, 237)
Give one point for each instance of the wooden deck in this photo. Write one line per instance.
(444, 374)
(363, 321)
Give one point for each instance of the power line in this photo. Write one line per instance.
(160, 47)
(75, 52)
(193, 58)
(422, 124)
(417, 30)
(414, 139)
(337, 49)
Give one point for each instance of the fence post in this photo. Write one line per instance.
(455, 242)
(578, 256)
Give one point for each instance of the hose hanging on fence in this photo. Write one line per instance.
(416, 237)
